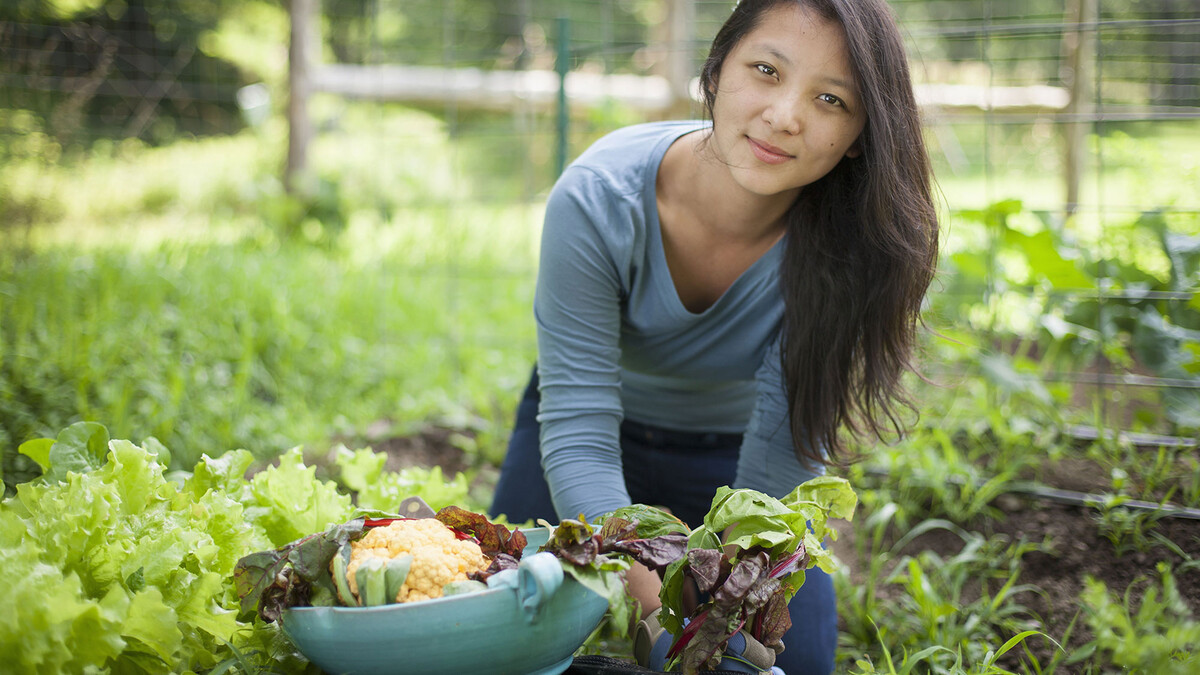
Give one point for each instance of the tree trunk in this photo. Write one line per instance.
(300, 62)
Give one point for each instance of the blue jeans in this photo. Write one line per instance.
(681, 471)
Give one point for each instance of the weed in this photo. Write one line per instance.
(1161, 637)
(928, 658)
(964, 604)
(1128, 529)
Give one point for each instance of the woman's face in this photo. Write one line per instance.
(786, 109)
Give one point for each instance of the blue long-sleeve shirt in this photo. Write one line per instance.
(615, 341)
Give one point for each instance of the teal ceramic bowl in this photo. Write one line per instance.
(528, 622)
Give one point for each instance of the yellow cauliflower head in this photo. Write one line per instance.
(438, 556)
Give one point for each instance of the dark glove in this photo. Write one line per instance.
(743, 654)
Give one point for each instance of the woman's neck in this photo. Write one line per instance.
(694, 181)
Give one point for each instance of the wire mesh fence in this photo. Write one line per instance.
(1065, 137)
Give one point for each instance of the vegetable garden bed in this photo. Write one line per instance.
(1072, 563)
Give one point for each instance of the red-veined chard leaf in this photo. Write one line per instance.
(493, 538)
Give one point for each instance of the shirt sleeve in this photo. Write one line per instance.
(577, 311)
(768, 461)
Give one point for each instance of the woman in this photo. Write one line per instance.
(717, 303)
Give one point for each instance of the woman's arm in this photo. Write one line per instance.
(768, 461)
(577, 310)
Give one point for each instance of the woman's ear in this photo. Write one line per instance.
(855, 151)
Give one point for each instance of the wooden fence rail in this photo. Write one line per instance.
(671, 94)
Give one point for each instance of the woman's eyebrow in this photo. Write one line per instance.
(839, 82)
(778, 55)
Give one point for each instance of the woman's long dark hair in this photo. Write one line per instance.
(862, 243)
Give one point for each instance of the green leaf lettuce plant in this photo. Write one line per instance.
(111, 562)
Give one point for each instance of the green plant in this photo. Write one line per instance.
(940, 612)
(862, 600)
(114, 563)
(1161, 636)
(1083, 300)
(933, 472)
(749, 557)
(1128, 529)
(1168, 472)
(935, 591)
(926, 657)
(362, 472)
(118, 566)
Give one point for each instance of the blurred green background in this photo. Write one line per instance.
(167, 270)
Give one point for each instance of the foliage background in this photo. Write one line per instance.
(122, 114)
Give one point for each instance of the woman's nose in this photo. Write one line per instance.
(783, 115)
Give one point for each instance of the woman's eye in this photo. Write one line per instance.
(765, 69)
(831, 99)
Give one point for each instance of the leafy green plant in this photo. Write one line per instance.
(1161, 636)
(931, 472)
(116, 564)
(962, 605)
(1166, 473)
(362, 472)
(1079, 300)
(750, 556)
(121, 564)
(1128, 529)
(935, 590)
(925, 657)
(863, 600)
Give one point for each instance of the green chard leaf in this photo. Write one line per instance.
(267, 582)
(749, 555)
(651, 522)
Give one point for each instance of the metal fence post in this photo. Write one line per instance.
(562, 65)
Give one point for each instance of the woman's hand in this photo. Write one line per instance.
(644, 585)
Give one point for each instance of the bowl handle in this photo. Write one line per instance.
(538, 578)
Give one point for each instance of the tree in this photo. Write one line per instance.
(128, 69)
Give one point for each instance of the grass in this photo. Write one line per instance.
(213, 347)
(221, 318)
(179, 293)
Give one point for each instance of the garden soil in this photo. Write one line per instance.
(1075, 547)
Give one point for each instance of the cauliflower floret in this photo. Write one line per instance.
(438, 556)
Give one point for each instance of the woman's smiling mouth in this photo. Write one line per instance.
(767, 153)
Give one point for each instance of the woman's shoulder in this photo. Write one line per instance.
(607, 194)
